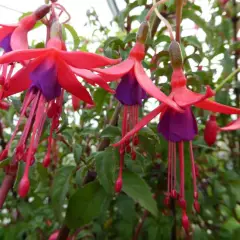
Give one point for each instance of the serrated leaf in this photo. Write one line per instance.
(105, 166)
(136, 188)
(85, 205)
(60, 189)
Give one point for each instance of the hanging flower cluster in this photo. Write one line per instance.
(47, 72)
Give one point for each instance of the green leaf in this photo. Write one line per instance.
(77, 151)
(76, 39)
(60, 189)
(86, 204)
(111, 132)
(105, 166)
(136, 188)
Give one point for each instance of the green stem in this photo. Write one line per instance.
(227, 79)
(179, 8)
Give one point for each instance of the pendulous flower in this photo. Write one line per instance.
(46, 77)
(180, 127)
(130, 92)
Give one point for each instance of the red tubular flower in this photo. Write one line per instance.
(131, 91)
(46, 77)
(180, 127)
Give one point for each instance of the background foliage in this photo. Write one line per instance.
(77, 190)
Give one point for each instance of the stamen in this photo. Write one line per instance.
(22, 142)
(195, 193)
(24, 183)
(118, 184)
(26, 103)
(182, 201)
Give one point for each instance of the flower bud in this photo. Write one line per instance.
(42, 11)
(211, 130)
(118, 185)
(175, 54)
(46, 160)
(133, 155)
(24, 186)
(185, 221)
(196, 206)
(142, 33)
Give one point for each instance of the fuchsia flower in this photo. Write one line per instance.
(14, 37)
(212, 129)
(179, 127)
(131, 91)
(46, 76)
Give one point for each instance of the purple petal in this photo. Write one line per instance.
(5, 43)
(129, 91)
(175, 126)
(44, 77)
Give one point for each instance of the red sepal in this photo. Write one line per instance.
(185, 97)
(217, 107)
(146, 83)
(117, 71)
(234, 125)
(69, 82)
(86, 60)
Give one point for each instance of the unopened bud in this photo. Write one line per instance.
(42, 11)
(196, 206)
(24, 186)
(211, 130)
(185, 222)
(142, 33)
(133, 155)
(175, 54)
(46, 161)
(118, 185)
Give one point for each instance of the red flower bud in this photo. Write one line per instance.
(118, 185)
(23, 187)
(196, 206)
(133, 155)
(185, 221)
(211, 130)
(42, 11)
(46, 160)
(174, 194)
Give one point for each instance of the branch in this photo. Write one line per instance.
(179, 8)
